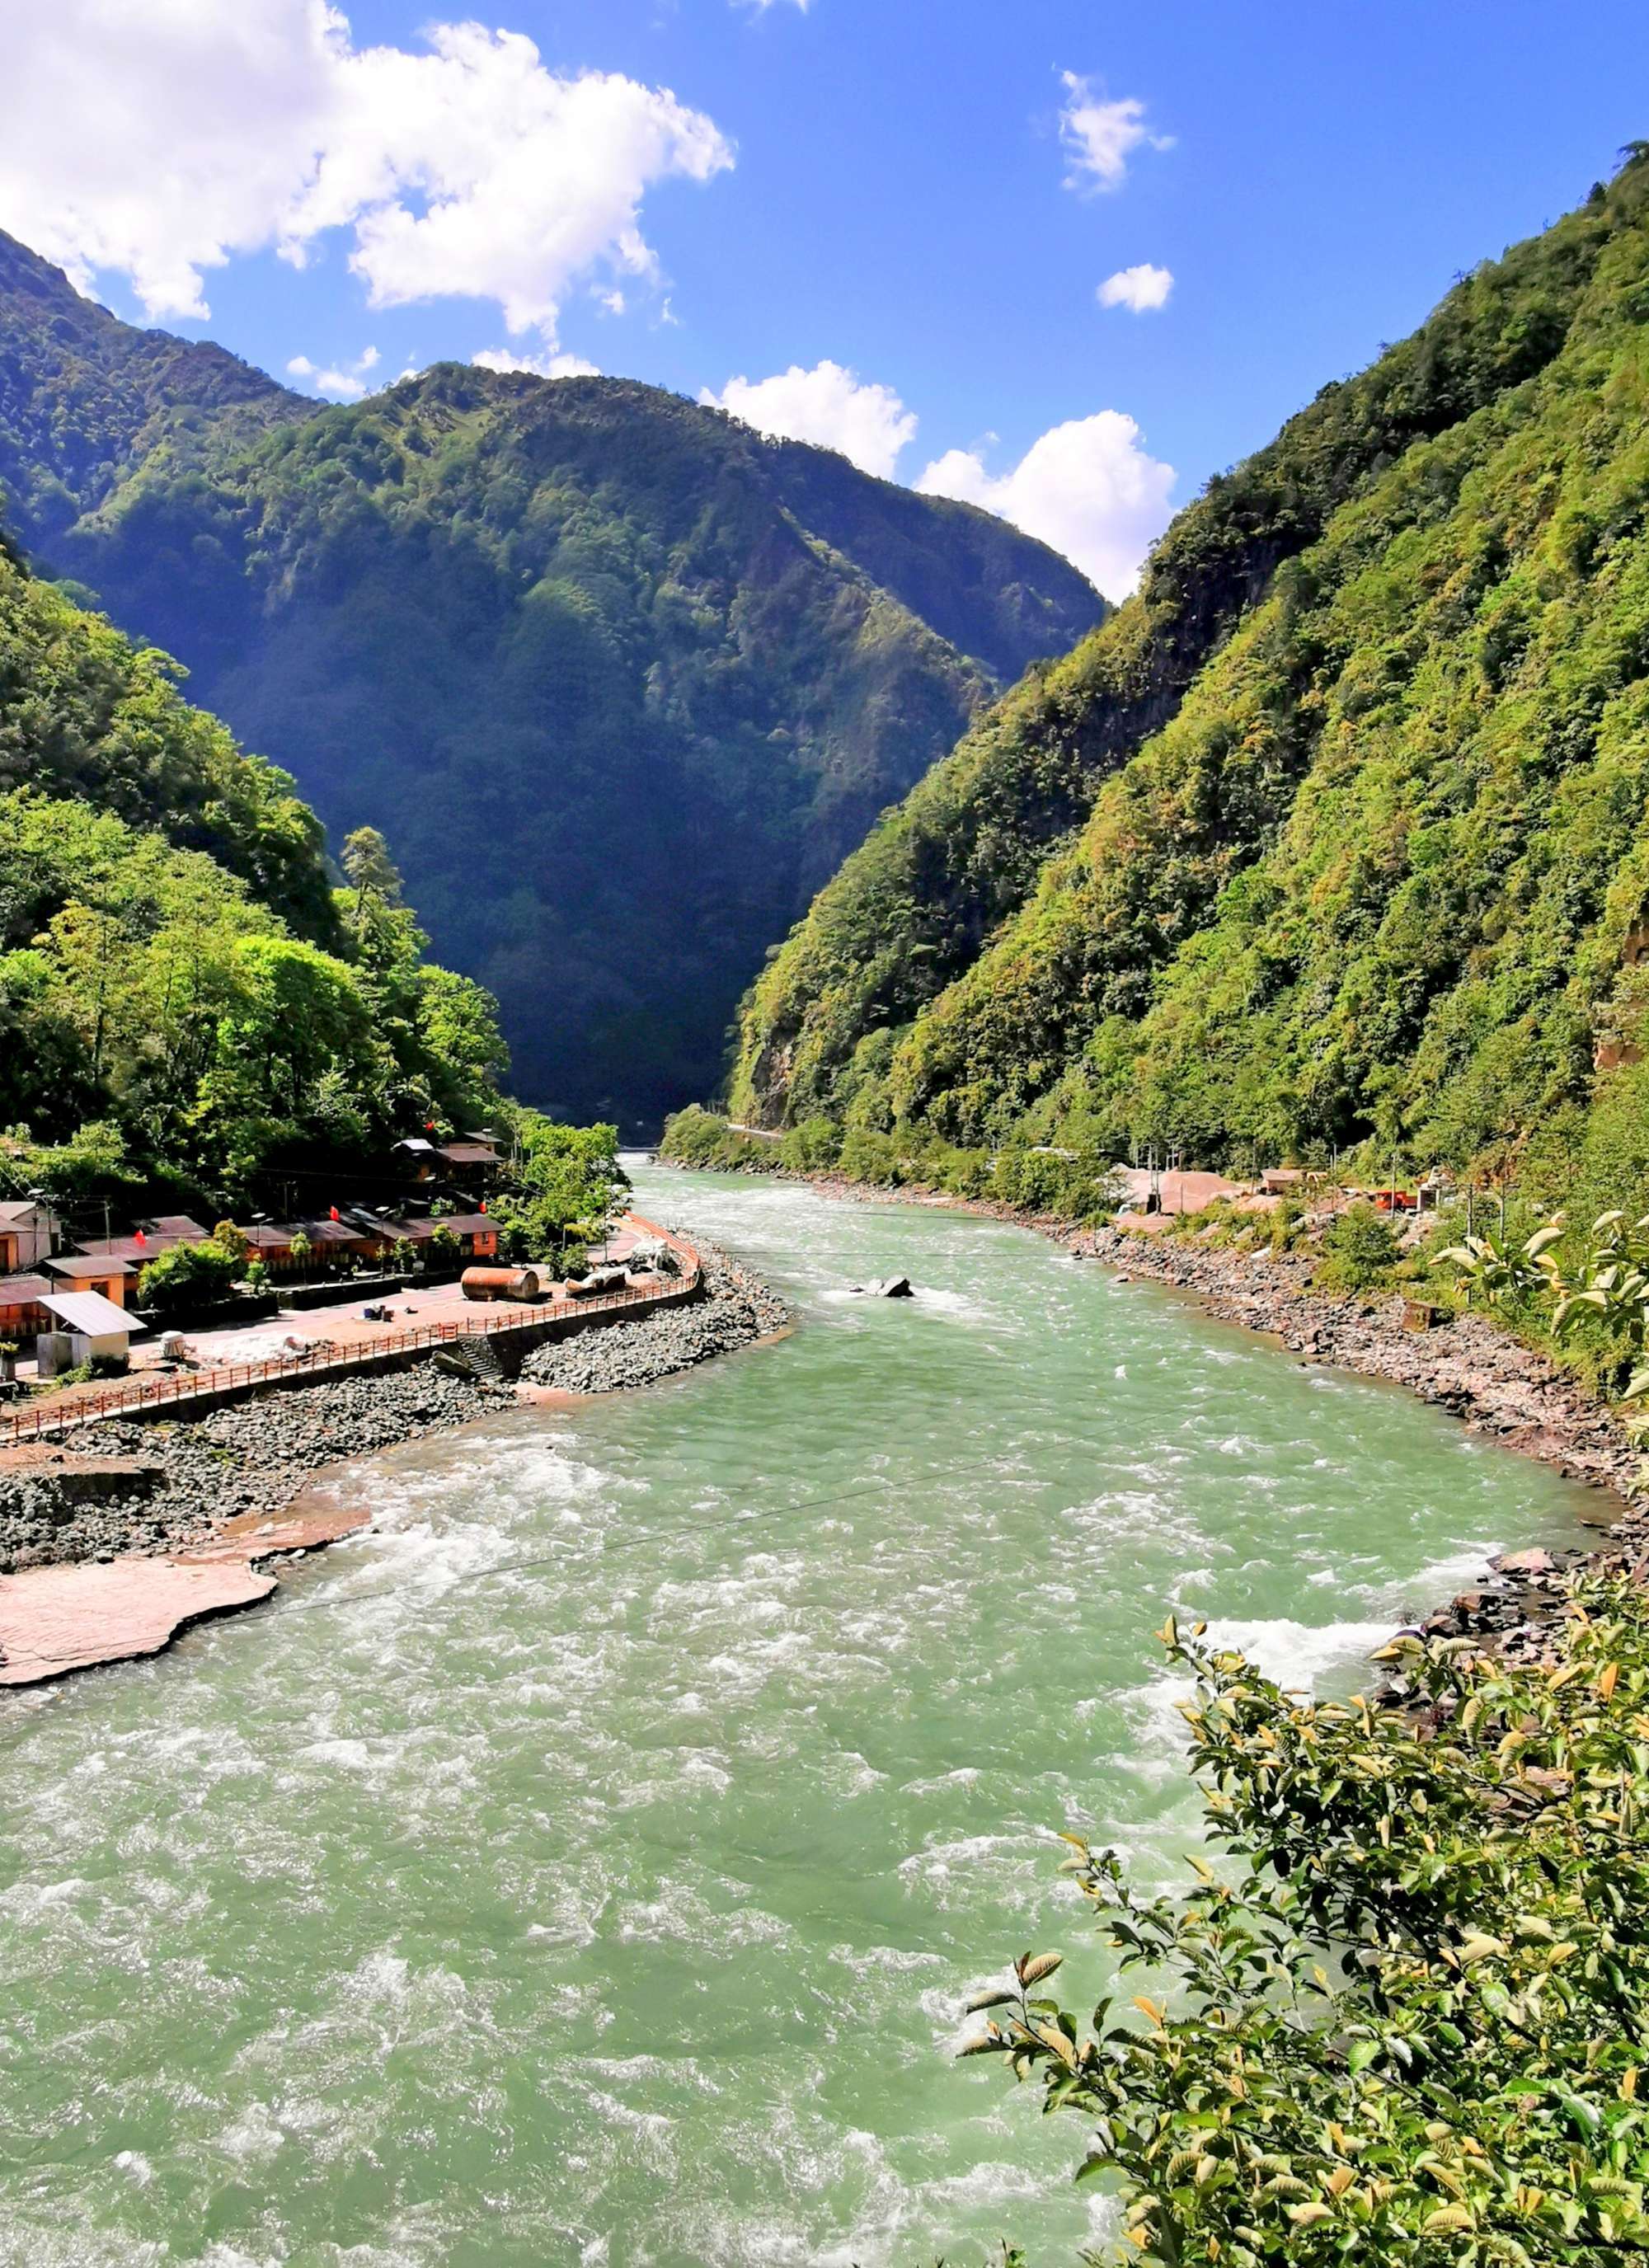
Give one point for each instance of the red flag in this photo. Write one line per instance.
(336, 1215)
(141, 1238)
(483, 1204)
(429, 1125)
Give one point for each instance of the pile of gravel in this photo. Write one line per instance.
(737, 1309)
(251, 1457)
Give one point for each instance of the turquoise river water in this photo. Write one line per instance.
(587, 1865)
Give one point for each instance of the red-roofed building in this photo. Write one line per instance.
(477, 1233)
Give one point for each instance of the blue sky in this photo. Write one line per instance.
(899, 188)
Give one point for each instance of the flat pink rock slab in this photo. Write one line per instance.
(57, 1619)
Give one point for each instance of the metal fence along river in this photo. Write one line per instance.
(145, 1397)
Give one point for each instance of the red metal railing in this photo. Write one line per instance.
(142, 1396)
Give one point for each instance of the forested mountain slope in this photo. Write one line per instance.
(185, 1002)
(622, 681)
(1337, 830)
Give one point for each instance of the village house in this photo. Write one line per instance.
(418, 1157)
(147, 1240)
(477, 1235)
(272, 1244)
(472, 1162)
(87, 1271)
(28, 1230)
(1169, 1191)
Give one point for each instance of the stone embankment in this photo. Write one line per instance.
(737, 1309)
(113, 1541)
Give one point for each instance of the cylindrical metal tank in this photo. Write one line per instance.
(500, 1284)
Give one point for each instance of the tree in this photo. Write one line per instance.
(187, 1277)
(372, 872)
(562, 1179)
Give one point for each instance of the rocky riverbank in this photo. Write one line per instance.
(160, 1489)
(737, 1309)
(183, 1481)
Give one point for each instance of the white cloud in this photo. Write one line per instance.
(1139, 288)
(544, 365)
(346, 383)
(1100, 135)
(829, 405)
(1087, 487)
(201, 131)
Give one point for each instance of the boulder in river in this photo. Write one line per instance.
(888, 1287)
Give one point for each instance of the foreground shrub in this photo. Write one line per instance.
(1409, 2028)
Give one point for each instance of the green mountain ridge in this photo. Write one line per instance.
(1334, 833)
(622, 681)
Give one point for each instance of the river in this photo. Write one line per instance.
(587, 1866)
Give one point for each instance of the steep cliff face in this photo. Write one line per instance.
(622, 681)
(1337, 827)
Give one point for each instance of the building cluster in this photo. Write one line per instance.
(88, 1290)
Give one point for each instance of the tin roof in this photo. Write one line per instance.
(89, 1312)
(469, 1153)
(467, 1224)
(265, 1238)
(127, 1248)
(19, 1210)
(83, 1264)
(329, 1232)
(23, 1291)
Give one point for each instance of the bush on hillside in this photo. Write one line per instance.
(1359, 1250)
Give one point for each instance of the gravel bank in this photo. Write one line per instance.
(737, 1309)
(252, 1457)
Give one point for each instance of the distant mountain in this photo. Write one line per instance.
(622, 681)
(1336, 833)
